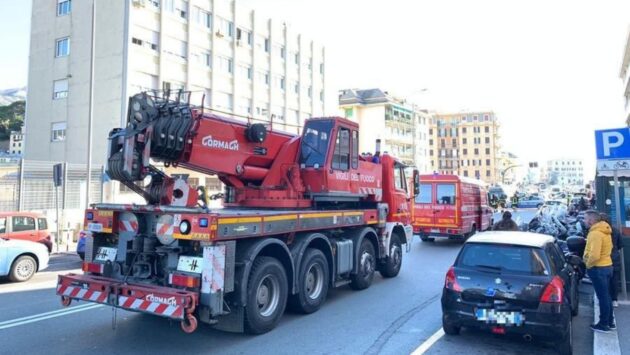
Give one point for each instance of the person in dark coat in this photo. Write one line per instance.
(582, 204)
(506, 223)
(616, 259)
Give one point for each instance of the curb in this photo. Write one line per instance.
(604, 344)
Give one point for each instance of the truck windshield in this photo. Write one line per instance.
(315, 143)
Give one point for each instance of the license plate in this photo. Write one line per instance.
(435, 231)
(499, 317)
(106, 254)
(190, 264)
(95, 227)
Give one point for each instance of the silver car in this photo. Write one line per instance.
(21, 259)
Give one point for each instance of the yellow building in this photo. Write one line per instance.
(466, 144)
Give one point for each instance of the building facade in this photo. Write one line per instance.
(466, 144)
(624, 74)
(401, 126)
(16, 143)
(231, 59)
(565, 172)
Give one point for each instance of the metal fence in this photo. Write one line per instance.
(27, 185)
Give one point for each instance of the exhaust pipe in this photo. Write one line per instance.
(527, 337)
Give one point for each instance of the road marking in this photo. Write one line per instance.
(429, 343)
(43, 316)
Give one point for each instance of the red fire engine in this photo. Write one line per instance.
(302, 214)
(450, 206)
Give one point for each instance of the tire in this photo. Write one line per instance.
(450, 328)
(393, 262)
(473, 231)
(313, 282)
(565, 345)
(575, 297)
(366, 268)
(267, 291)
(23, 269)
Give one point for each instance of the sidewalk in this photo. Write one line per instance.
(622, 317)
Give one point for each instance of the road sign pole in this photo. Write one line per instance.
(624, 290)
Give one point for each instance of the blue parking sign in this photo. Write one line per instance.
(612, 143)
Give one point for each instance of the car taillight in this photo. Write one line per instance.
(184, 280)
(553, 293)
(451, 281)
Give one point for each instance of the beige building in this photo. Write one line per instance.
(510, 168)
(245, 65)
(401, 126)
(466, 144)
(625, 76)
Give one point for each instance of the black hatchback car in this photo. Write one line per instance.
(512, 283)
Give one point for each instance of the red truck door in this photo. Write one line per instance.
(447, 202)
(400, 195)
(424, 206)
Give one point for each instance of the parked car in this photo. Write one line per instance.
(81, 244)
(21, 259)
(531, 201)
(555, 203)
(25, 226)
(512, 283)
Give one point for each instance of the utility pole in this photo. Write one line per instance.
(91, 110)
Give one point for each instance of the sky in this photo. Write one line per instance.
(548, 69)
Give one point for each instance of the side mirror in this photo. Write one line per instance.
(416, 182)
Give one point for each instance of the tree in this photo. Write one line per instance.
(11, 118)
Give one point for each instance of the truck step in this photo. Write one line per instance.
(342, 283)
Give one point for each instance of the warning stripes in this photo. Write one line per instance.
(127, 226)
(371, 191)
(164, 229)
(82, 293)
(162, 309)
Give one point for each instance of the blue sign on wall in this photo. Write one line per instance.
(613, 143)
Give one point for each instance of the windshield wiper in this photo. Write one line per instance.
(491, 267)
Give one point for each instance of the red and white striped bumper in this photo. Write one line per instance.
(161, 301)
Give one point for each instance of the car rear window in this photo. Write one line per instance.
(503, 258)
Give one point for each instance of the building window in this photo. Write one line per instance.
(321, 68)
(244, 71)
(464, 141)
(226, 28)
(487, 140)
(58, 131)
(202, 18)
(62, 47)
(60, 89)
(296, 57)
(243, 36)
(488, 151)
(487, 129)
(488, 162)
(463, 129)
(476, 151)
(487, 173)
(465, 151)
(310, 91)
(430, 141)
(226, 65)
(64, 7)
(223, 101)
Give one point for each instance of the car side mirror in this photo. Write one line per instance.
(416, 182)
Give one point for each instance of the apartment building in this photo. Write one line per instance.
(238, 62)
(565, 172)
(16, 143)
(625, 76)
(466, 144)
(400, 125)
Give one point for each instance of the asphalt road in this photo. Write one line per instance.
(394, 316)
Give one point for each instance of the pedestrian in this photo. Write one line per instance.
(615, 255)
(582, 204)
(515, 200)
(506, 223)
(599, 267)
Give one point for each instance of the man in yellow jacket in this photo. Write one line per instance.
(599, 267)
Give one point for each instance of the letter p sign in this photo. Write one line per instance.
(611, 140)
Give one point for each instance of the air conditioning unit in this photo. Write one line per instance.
(138, 3)
(219, 34)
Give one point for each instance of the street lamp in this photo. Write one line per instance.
(91, 110)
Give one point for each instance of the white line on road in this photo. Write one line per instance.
(43, 316)
(429, 343)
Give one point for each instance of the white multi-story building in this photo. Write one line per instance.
(625, 76)
(565, 172)
(244, 64)
(401, 126)
(16, 142)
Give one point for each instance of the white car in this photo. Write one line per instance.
(21, 259)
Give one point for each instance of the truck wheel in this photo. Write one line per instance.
(312, 282)
(267, 291)
(23, 269)
(391, 268)
(367, 265)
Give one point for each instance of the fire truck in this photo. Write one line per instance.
(302, 214)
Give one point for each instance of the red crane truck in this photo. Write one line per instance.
(450, 206)
(302, 214)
